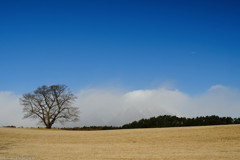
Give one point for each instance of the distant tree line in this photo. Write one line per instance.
(163, 121)
(174, 121)
(167, 121)
(93, 128)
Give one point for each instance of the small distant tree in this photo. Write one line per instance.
(50, 104)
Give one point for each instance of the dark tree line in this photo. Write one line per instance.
(174, 121)
(92, 128)
(166, 121)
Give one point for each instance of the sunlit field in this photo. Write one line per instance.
(185, 143)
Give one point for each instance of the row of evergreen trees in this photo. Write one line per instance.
(166, 121)
(174, 121)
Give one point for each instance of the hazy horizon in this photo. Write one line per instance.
(115, 107)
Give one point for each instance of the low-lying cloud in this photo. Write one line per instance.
(114, 107)
(11, 111)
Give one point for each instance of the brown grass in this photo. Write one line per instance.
(186, 143)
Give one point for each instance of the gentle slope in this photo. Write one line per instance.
(185, 143)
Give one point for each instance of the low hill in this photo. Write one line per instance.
(182, 143)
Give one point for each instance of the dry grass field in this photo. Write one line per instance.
(186, 143)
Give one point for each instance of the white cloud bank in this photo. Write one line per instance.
(113, 107)
(11, 111)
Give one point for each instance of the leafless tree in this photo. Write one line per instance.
(50, 104)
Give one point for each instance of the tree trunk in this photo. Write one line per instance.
(49, 126)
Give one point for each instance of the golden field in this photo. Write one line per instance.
(185, 143)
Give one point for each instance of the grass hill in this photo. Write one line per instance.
(182, 143)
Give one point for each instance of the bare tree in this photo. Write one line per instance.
(50, 104)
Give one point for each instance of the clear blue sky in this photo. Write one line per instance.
(131, 44)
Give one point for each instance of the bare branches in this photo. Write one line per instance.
(50, 104)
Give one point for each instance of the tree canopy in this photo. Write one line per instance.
(50, 104)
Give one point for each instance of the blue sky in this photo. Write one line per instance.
(125, 44)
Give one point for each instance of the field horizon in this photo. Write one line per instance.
(204, 142)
